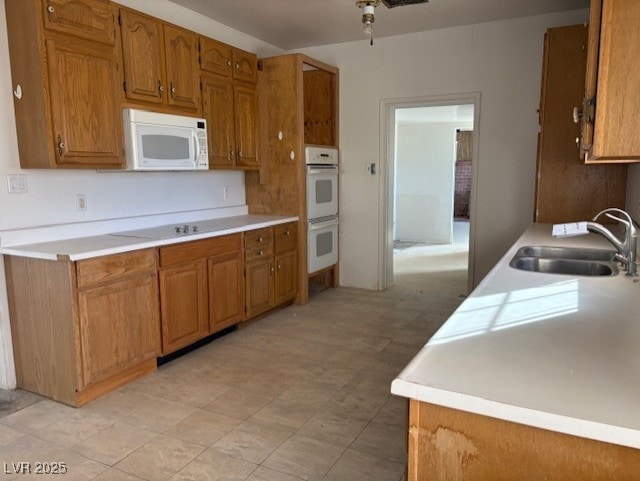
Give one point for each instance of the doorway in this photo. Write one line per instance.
(430, 149)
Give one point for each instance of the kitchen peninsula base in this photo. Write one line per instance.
(451, 445)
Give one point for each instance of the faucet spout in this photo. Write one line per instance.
(607, 234)
(627, 247)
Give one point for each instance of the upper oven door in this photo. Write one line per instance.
(322, 191)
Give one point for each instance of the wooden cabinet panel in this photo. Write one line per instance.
(286, 274)
(226, 291)
(89, 19)
(259, 295)
(612, 83)
(319, 107)
(142, 56)
(118, 326)
(216, 57)
(217, 109)
(566, 189)
(98, 270)
(285, 237)
(184, 305)
(200, 249)
(245, 66)
(181, 50)
(246, 116)
(258, 238)
(86, 117)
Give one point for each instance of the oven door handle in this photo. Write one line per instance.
(323, 225)
(328, 170)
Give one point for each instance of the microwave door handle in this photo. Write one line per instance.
(323, 225)
(196, 145)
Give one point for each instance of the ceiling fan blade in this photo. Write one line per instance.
(400, 3)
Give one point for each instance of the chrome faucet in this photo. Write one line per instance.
(627, 247)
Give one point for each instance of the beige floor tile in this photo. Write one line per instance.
(358, 404)
(304, 457)
(9, 435)
(384, 441)
(252, 442)
(74, 429)
(333, 428)
(160, 459)
(159, 415)
(37, 416)
(114, 443)
(239, 403)
(27, 448)
(356, 466)
(266, 474)
(290, 410)
(394, 413)
(213, 465)
(113, 474)
(203, 427)
(266, 383)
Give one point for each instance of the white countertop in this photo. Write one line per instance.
(94, 246)
(552, 351)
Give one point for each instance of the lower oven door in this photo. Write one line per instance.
(322, 244)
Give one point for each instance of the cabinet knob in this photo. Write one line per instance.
(240, 153)
(61, 145)
(287, 233)
(229, 62)
(238, 66)
(173, 89)
(272, 269)
(260, 253)
(160, 87)
(232, 153)
(260, 239)
(50, 9)
(577, 115)
(279, 266)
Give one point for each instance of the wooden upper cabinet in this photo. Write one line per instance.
(216, 57)
(246, 117)
(217, 109)
(222, 59)
(160, 62)
(183, 75)
(87, 129)
(612, 88)
(245, 66)
(142, 56)
(89, 19)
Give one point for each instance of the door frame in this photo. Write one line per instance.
(386, 192)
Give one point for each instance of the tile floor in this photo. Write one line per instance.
(300, 395)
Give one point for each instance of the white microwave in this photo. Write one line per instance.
(155, 141)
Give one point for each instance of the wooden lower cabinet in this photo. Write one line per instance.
(81, 329)
(184, 305)
(201, 289)
(446, 444)
(271, 268)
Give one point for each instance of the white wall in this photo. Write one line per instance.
(503, 61)
(51, 196)
(424, 182)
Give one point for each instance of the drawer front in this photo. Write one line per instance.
(200, 249)
(285, 237)
(117, 266)
(258, 238)
(258, 253)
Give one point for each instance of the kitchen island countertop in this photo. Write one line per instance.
(94, 246)
(557, 352)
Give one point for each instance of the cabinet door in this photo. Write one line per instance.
(614, 47)
(245, 66)
(184, 305)
(226, 291)
(142, 57)
(259, 286)
(89, 19)
(86, 115)
(246, 111)
(217, 109)
(286, 277)
(119, 326)
(216, 57)
(183, 70)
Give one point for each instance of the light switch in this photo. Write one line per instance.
(17, 184)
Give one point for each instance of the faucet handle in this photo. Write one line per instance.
(622, 221)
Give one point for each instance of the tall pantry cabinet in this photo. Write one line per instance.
(298, 107)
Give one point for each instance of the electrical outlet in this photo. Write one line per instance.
(370, 168)
(17, 184)
(81, 202)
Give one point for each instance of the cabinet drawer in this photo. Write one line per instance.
(200, 249)
(109, 268)
(285, 237)
(258, 238)
(258, 253)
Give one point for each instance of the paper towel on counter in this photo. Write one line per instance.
(570, 229)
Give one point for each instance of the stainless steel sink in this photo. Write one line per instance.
(574, 261)
(577, 253)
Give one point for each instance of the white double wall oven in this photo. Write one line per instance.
(322, 207)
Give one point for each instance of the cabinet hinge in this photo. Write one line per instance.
(124, 86)
(589, 111)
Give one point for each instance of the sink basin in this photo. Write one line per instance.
(578, 253)
(573, 267)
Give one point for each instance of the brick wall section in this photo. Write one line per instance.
(462, 189)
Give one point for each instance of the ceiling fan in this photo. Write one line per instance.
(368, 11)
